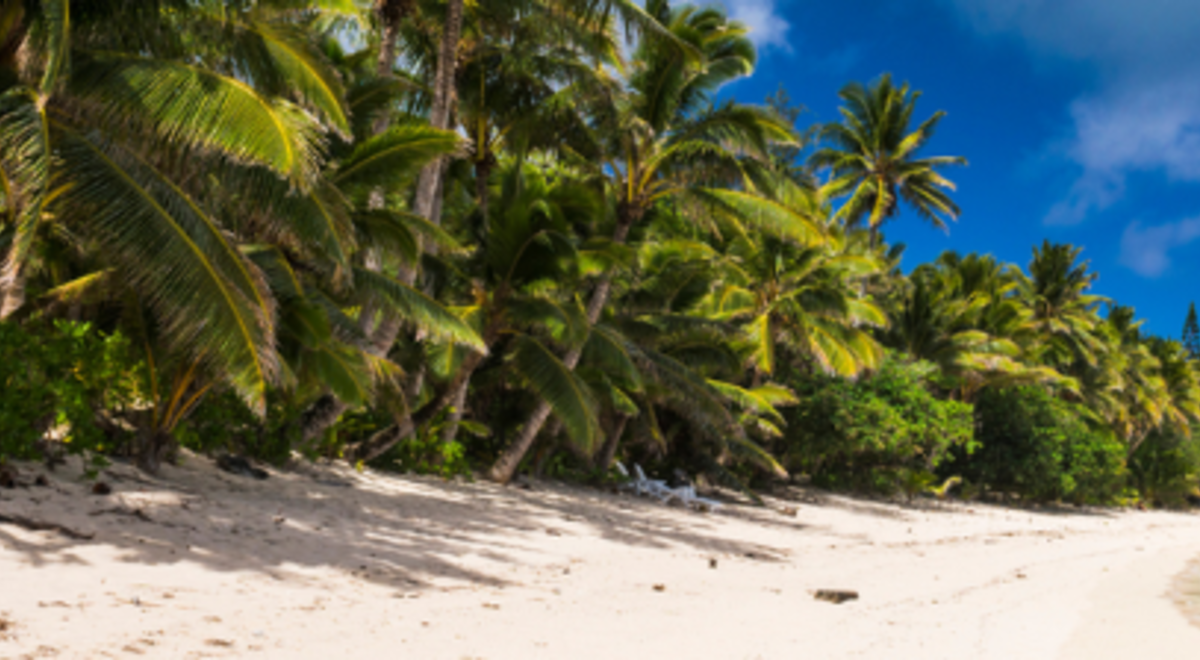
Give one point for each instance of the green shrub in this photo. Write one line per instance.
(1166, 467)
(222, 422)
(880, 433)
(1042, 448)
(57, 378)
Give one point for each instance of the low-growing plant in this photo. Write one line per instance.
(222, 422)
(1166, 467)
(64, 383)
(884, 432)
(1042, 448)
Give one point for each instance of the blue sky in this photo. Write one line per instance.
(1080, 119)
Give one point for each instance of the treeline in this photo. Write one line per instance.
(527, 236)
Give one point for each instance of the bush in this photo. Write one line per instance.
(1166, 467)
(1043, 448)
(880, 433)
(57, 379)
(223, 422)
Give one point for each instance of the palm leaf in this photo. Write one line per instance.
(556, 384)
(188, 105)
(418, 308)
(57, 16)
(766, 214)
(391, 156)
(209, 301)
(24, 166)
(304, 69)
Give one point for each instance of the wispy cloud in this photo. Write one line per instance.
(1146, 250)
(1145, 114)
(768, 28)
(1139, 129)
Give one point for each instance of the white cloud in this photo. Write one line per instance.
(1145, 116)
(768, 28)
(1145, 249)
(1138, 129)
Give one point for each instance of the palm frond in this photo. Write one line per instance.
(191, 106)
(418, 308)
(554, 382)
(212, 304)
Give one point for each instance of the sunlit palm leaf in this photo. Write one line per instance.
(192, 106)
(567, 395)
(765, 214)
(392, 156)
(209, 301)
(418, 308)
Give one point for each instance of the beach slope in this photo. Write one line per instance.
(325, 562)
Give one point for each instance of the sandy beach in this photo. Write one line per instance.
(327, 563)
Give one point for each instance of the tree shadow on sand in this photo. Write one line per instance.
(402, 532)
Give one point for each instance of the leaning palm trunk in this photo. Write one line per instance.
(483, 170)
(439, 114)
(604, 459)
(12, 293)
(387, 438)
(456, 412)
(506, 465)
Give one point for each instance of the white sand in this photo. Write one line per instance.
(221, 566)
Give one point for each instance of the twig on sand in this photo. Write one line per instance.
(41, 526)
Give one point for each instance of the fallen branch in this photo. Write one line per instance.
(43, 526)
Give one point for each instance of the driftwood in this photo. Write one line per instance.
(835, 596)
(43, 526)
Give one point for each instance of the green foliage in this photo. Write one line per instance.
(57, 379)
(223, 423)
(878, 433)
(233, 190)
(1042, 448)
(1166, 467)
(426, 453)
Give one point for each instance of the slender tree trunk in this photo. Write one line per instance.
(12, 292)
(154, 445)
(458, 404)
(604, 459)
(439, 112)
(428, 203)
(387, 438)
(506, 464)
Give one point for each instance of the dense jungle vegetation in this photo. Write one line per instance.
(529, 236)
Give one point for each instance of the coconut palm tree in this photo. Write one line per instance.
(873, 157)
(140, 137)
(515, 288)
(1063, 313)
(961, 313)
(657, 140)
(801, 300)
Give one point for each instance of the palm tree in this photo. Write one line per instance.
(515, 289)
(657, 141)
(800, 300)
(131, 131)
(873, 157)
(1063, 313)
(440, 67)
(961, 314)
(516, 58)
